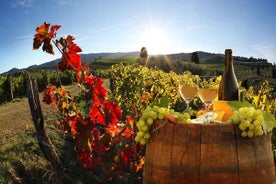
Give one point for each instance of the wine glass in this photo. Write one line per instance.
(188, 89)
(207, 90)
(187, 93)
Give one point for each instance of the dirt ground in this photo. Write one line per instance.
(15, 117)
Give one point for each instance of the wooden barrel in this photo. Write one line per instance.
(207, 154)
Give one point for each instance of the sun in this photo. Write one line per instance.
(156, 40)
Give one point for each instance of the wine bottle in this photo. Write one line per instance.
(228, 87)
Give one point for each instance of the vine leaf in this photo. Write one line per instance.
(44, 36)
(235, 105)
(70, 56)
(270, 121)
(162, 102)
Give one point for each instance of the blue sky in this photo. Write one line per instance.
(248, 27)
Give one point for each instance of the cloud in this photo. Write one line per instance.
(63, 2)
(22, 3)
(267, 50)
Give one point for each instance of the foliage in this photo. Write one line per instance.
(18, 81)
(261, 99)
(101, 66)
(137, 87)
(104, 142)
(194, 58)
(192, 67)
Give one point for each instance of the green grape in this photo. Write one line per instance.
(246, 123)
(242, 110)
(155, 108)
(153, 115)
(251, 127)
(161, 110)
(260, 118)
(258, 112)
(189, 121)
(140, 134)
(186, 115)
(140, 123)
(181, 118)
(250, 121)
(145, 128)
(257, 123)
(242, 126)
(143, 141)
(160, 116)
(171, 111)
(250, 133)
(147, 136)
(249, 112)
(150, 115)
(137, 138)
(149, 121)
(235, 119)
(259, 127)
(244, 134)
(260, 133)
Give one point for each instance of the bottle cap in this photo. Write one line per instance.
(228, 51)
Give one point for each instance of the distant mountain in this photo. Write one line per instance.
(204, 57)
(51, 65)
(13, 70)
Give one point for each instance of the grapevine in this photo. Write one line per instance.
(103, 140)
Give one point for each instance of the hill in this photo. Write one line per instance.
(204, 57)
(51, 65)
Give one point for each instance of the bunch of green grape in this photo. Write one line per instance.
(250, 121)
(151, 114)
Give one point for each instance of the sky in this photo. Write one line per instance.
(248, 27)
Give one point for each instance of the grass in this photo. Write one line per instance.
(21, 158)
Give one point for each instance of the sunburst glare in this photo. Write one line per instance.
(156, 39)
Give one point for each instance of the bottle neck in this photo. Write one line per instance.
(228, 61)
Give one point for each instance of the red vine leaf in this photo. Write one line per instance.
(44, 36)
(98, 146)
(70, 56)
(112, 112)
(96, 91)
(96, 115)
(48, 95)
(127, 155)
(88, 161)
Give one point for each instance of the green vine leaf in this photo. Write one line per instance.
(270, 121)
(162, 102)
(235, 105)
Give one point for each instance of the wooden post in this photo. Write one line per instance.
(111, 84)
(58, 79)
(43, 140)
(11, 88)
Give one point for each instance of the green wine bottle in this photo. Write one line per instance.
(228, 87)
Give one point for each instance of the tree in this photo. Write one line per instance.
(274, 73)
(143, 53)
(258, 70)
(194, 58)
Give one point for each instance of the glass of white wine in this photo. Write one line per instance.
(207, 90)
(188, 90)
